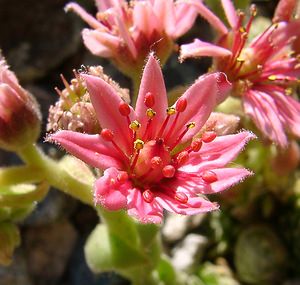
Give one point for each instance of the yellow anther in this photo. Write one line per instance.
(135, 125)
(171, 111)
(191, 125)
(138, 144)
(150, 113)
(276, 25)
(242, 30)
(239, 59)
(272, 77)
(288, 91)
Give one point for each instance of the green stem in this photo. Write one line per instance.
(55, 175)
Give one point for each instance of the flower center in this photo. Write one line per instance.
(154, 156)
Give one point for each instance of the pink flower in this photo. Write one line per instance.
(263, 72)
(157, 157)
(127, 32)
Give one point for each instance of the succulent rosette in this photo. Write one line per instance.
(157, 157)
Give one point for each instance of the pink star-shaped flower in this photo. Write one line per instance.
(157, 157)
(126, 32)
(263, 71)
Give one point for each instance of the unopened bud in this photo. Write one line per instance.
(20, 117)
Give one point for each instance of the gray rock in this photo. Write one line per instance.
(55, 206)
(16, 273)
(38, 35)
(176, 226)
(187, 254)
(48, 249)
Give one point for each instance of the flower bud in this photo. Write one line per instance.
(20, 117)
(74, 110)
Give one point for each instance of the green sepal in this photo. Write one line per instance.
(106, 251)
(9, 240)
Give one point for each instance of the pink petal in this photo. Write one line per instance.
(209, 16)
(218, 153)
(227, 177)
(193, 182)
(84, 15)
(125, 34)
(199, 48)
(110, 192)
(289, 111)
(185, 16)
(105, 4)
(144, 18)
(152, 81)
(201, 99)
(89, 148)
(164, 11)
(264, 112)
(100, 43)
(106, 102)
(230, 13)
(284, 10)
(195, 204)
(141, 210)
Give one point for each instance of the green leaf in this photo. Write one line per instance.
(22, 194)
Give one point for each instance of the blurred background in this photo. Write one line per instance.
(40, 42)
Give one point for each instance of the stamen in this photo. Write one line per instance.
(181, 197)
(253, 12)
(149, 100)
(188, 127)
(138, 144)
(148, 196)
(208, 137)
(135, 125)
(108, 135)
(150, 113)
(272, 77)
(288, 91)
(209, 176)
(170, 111)
(168, 171)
